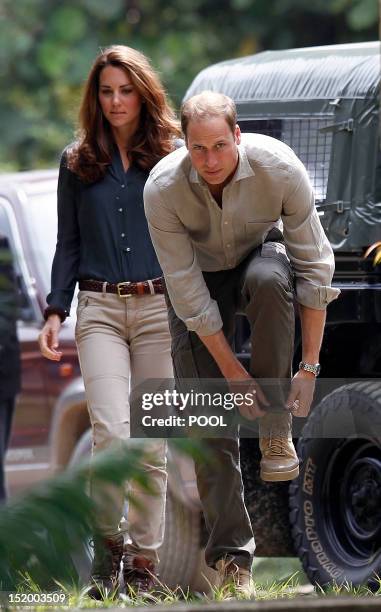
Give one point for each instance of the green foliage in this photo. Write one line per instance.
(363, 14)
(41, 532)
(46, 50)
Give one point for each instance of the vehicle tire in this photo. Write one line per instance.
(82, 450)
(82, 558)
(335, 504)
(180, 553)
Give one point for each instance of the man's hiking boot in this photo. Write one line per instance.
(279, 459)
(235, 581)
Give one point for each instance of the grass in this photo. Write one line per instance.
(291, 582)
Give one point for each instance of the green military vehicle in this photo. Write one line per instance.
(324, 103)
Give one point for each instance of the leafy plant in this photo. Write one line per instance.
(41, 532)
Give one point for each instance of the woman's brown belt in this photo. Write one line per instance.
(125, 289)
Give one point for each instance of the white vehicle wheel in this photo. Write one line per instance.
(181, 555)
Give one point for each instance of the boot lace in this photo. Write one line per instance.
(276, 444)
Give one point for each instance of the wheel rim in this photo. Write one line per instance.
(353, 501)
(362, 488)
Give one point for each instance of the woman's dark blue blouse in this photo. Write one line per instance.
(102, 231)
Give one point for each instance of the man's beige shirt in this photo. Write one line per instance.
(191, 233)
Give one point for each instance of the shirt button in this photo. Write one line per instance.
(225, 223)
(120, 209)
(123, 235)
(122, 186)
(128, 249)
(228, 245)
(117, 198)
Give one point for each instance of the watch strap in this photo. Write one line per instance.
(314, 368)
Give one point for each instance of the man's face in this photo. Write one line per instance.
(213, 149)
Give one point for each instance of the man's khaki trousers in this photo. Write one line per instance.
(122, 342)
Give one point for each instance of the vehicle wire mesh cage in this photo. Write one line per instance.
(308, 141)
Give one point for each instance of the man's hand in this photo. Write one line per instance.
(246, 385)
(238, 378)
(301, 394)
(240, 382)
(48, 338)
(303, 384)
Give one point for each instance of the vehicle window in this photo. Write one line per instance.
(26, 312)
(306, 138)
(41, 217)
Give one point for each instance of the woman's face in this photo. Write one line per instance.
(120, 102)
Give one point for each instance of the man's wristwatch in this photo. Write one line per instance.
(310, 367)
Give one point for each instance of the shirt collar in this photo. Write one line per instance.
(116, 166)
(244, 170)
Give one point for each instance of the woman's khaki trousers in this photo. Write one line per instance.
(122, 342)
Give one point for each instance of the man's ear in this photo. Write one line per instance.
(237, 134)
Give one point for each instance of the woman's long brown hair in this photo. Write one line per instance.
(89, 157)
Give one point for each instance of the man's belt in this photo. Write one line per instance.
(125, 289)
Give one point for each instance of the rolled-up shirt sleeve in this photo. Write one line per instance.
(308, 247)
(66, 259)
(185, 283)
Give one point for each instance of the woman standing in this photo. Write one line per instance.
(122, 332)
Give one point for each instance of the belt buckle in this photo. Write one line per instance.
(119, 287)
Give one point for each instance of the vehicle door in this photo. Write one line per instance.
(27, 458)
